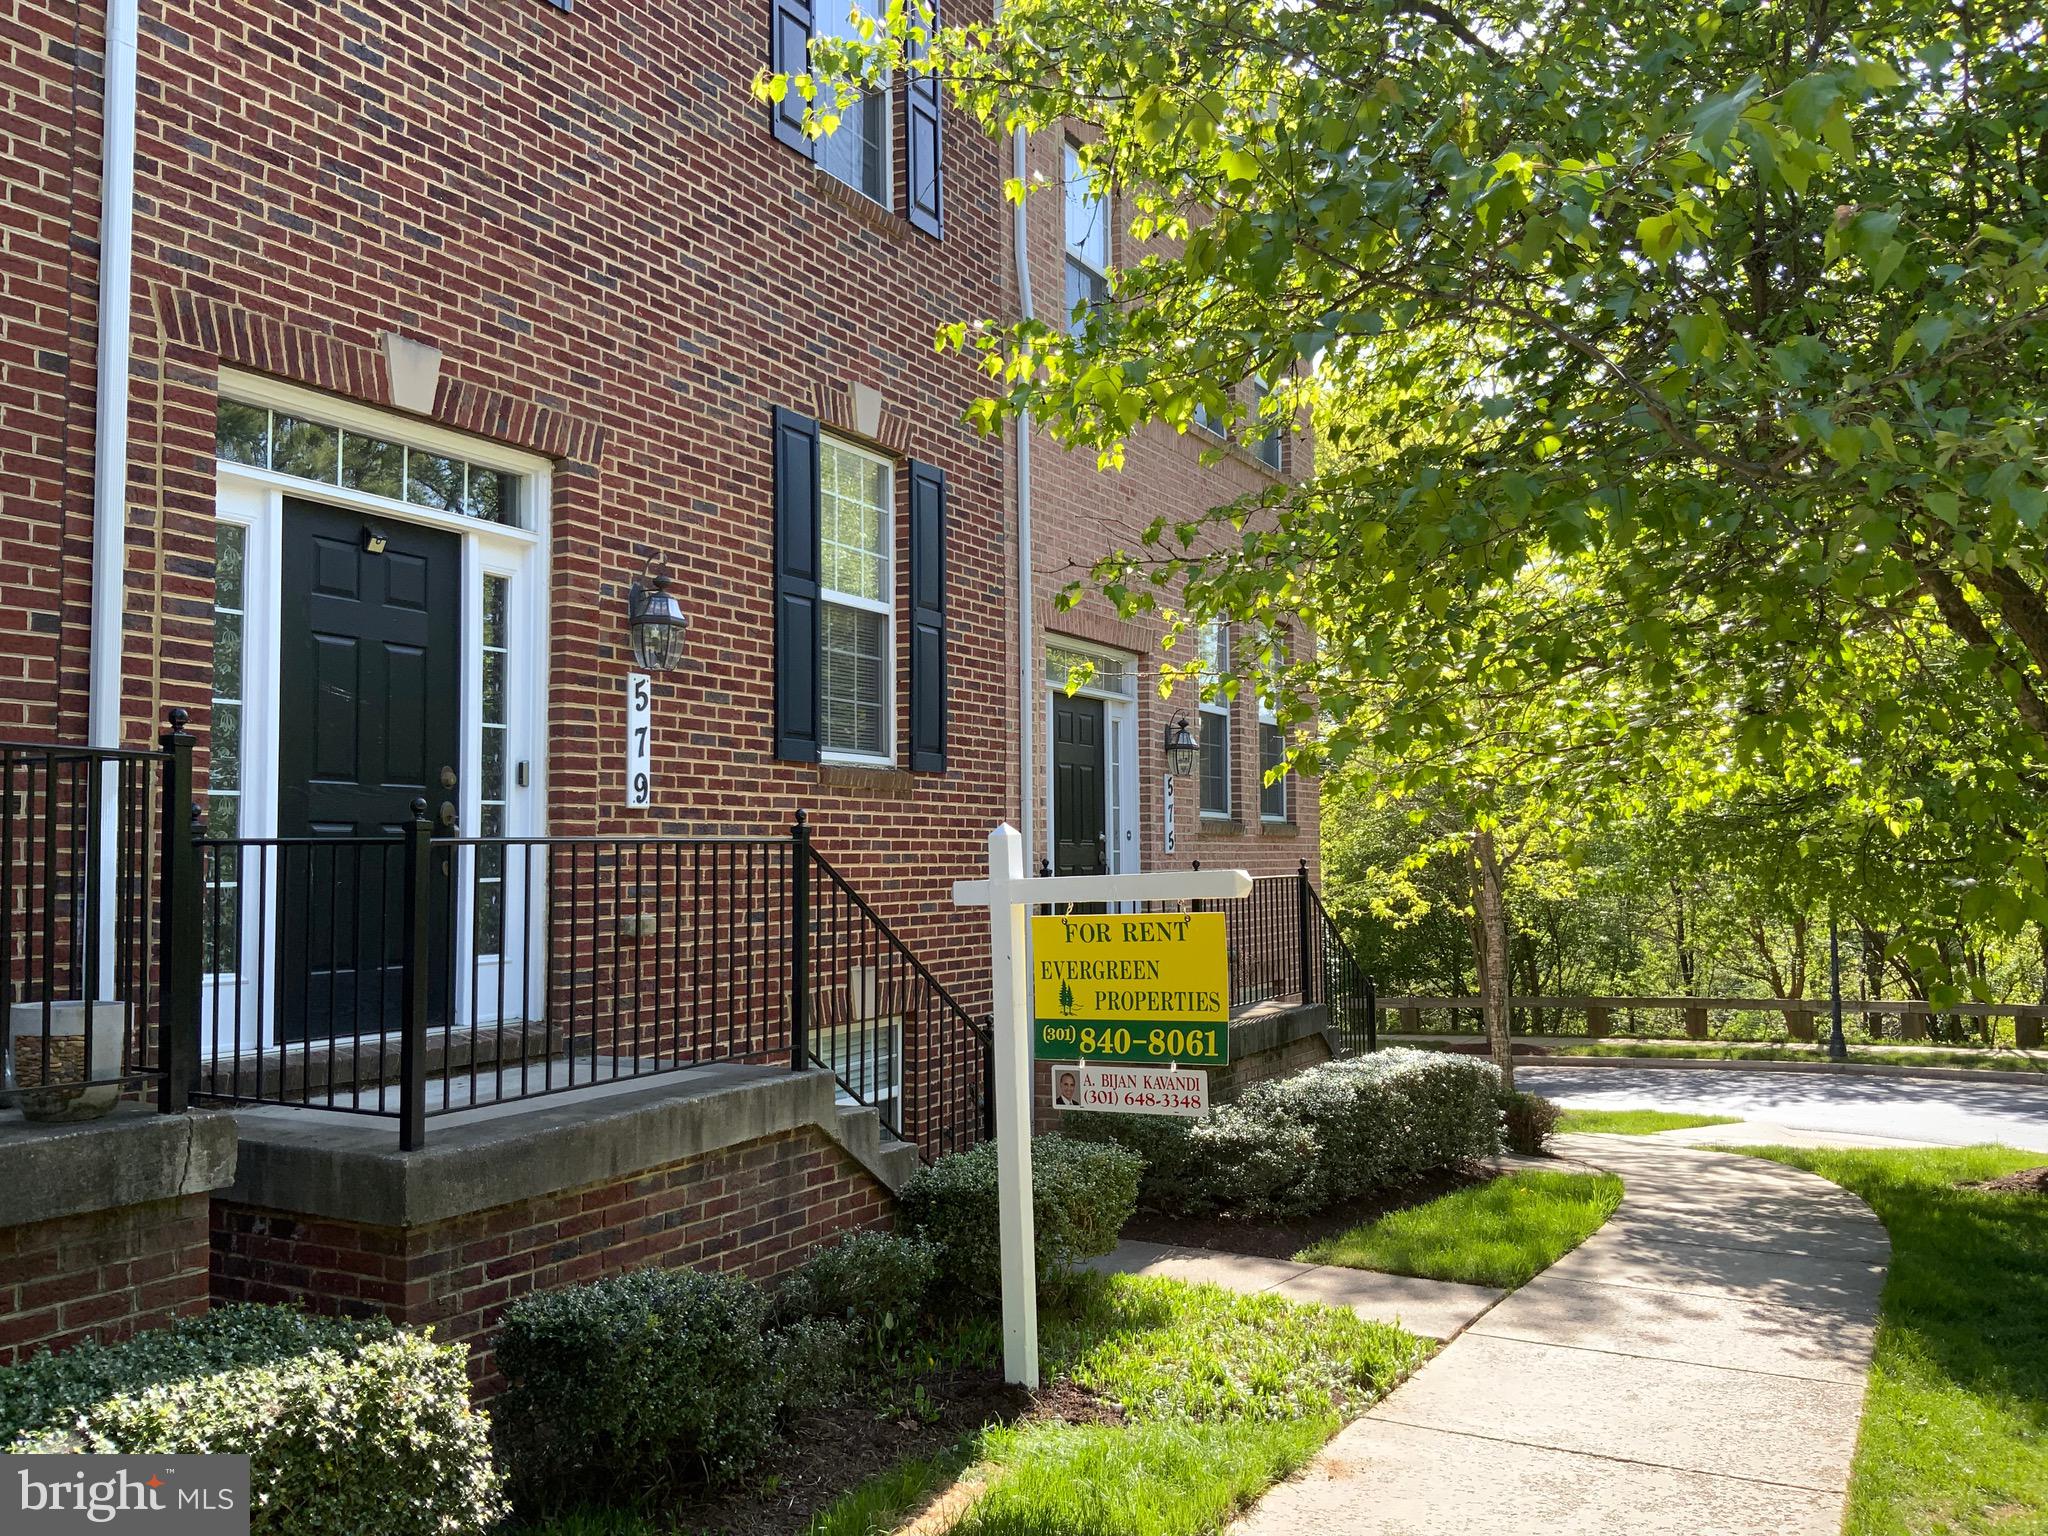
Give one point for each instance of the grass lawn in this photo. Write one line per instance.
(1502, 1233)
(1222, 1396)
(1955, 1428)
(1634, 1122)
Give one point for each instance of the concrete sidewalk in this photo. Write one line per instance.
(1696, 1367)
(1436, 1309)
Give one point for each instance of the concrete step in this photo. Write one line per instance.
(860, 1132)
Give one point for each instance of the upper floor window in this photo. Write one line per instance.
(857, 151)
(1266, 447)
(856, 602)
(1215, 652)
(1087, 238)
(1272, 753)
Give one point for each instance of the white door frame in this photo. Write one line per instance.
(1120, 753)
(254, 498)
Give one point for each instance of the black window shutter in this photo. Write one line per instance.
(796, 587)
(927, 618)
(790, 23)
(921, 157)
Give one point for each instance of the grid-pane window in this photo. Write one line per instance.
(307, 449)
(1215, 652)
(856, 659)
(857, 151)
(490, 857)
(222, 917)
(1272, 790)
(1087, 239)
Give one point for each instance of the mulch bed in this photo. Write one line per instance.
(2028, 1181)
(831, 1452)
(1283, 1240)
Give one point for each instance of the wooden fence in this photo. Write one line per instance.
(1801, 1014)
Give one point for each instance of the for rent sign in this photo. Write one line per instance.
(1139, 987)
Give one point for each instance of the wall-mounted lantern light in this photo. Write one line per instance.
(1181, 749)
(657, 623)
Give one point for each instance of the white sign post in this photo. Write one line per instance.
(1009, 897)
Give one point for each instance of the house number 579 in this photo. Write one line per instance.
(639, 741)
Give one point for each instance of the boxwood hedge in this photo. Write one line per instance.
(349, 1426)
(1296, 1145)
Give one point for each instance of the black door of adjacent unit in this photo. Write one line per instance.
(369, 721)
(1080, 801)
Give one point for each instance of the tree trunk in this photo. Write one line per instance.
(1490, 952)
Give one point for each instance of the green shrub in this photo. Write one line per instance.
(348, 1426)
(1292, 1146)
(629, 1387)
(1082, 1194)
(875, 1283)
(1528, 1121)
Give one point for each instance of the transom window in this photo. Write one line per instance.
(1098, 674)
(857, 650)
(1215, 653)
(318, 451)
(857, 151)
(1087, 225)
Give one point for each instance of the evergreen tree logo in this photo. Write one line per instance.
(1066, 1000)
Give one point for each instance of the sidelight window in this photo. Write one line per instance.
(1216, 799)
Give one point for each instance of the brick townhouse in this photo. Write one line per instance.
(523, 459)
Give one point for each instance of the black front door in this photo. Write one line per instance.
(1080, 831)
(369, 721)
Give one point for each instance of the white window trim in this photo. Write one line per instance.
(1120, 770)
(886, 608)
(1221, 708)
(1268, 717)
(254, 498)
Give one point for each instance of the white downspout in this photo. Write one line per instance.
(110, 438)
(1027, 679)
(110, 446)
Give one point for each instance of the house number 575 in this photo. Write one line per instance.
(639, 741)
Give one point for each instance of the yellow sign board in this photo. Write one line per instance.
(1137, 987)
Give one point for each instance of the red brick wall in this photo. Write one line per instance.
(1079, 515)
(754, 1209)
(49, 227)
(101, 1275)
(586, 212)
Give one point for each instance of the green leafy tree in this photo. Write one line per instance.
(1682, 364)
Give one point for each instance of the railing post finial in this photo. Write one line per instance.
(177, 715)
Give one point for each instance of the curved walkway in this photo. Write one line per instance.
(1695, 1367)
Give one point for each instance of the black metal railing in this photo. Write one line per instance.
(419, 975)
(893, 1037)
(1285, 948)
(87, 965)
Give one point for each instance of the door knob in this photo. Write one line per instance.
(447, 777)
(448, 814)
